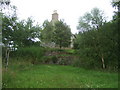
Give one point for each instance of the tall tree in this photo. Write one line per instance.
(47, 32)
(116, 19)
(91, 20)
(17, 33)
(62, 34)
(4, 4)
(25, 33)
(98, 46)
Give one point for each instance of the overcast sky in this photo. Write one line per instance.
(69, 10)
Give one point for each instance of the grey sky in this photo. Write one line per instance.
(69, 10)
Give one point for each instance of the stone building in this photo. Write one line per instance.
(55, 17)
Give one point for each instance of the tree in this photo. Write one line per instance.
(116, 4)
(47, 32)
(7, 9)
(25, 33)
(4, 4)
(98, 46)
(16, 33)
(62, 34)
(92, 20)
(116, 19)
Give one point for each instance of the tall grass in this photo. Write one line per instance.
(29, 53)
(21, 75)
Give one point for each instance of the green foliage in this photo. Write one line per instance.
(47, 32)
(19, 34)
(33, 53)
(92, 20)
(7, 30)
(49, 59)
(59, 33)
(62, 34)
(116, 4)
(98, 43)
(26, 33)
(70, 51)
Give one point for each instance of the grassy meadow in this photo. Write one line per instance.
(27, 75)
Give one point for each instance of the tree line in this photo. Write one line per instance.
(97, 40)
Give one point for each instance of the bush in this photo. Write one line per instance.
(34, 53)
(49, 59)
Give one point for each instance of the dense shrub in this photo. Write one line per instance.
(94, 45)
(49, 59)
(33, 53)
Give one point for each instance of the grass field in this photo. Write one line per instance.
(24, 75)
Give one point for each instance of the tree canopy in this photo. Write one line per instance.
(47, 32)
(91, 20)
(62, 34)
